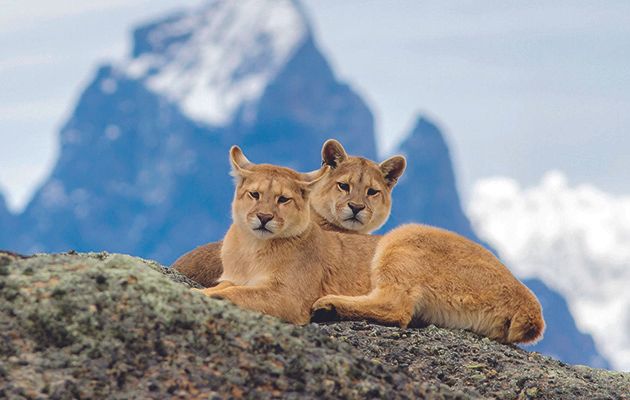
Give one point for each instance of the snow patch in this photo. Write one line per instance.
(576, 239)
(218, 60)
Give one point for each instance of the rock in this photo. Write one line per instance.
(104, 325)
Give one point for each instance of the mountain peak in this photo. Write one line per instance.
(219, 58)
(427, 191)
(423, 133)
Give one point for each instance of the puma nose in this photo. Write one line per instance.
(356, 208)
(264, 218)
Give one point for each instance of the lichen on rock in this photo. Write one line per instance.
(104, 325)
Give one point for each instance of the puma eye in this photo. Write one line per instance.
(282, 200)
(372, 192)
(254, 195)
(343, 186)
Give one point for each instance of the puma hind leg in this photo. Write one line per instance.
(382, 307)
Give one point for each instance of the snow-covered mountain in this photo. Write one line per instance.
(218, 60)
(143, 163)
(574, 238)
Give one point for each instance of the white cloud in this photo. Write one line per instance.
(22, 180)
(575, 238)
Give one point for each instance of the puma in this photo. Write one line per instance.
(277, 260)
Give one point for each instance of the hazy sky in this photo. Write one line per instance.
(519, 87)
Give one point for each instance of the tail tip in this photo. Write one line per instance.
(528, 331)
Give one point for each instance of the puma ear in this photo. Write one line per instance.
(333, 153)
(309, 179)
(240, 163)
(392, 169)
(314, 176)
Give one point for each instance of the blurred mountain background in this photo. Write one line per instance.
(142, 165)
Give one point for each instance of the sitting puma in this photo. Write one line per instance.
(276, 260)
(352, 198)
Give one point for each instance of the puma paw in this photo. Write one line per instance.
(323, 311)
(214, 294)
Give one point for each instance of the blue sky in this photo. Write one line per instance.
(519, 87)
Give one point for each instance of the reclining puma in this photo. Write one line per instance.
(278, 261)
(352, 198)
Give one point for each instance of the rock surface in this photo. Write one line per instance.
(112, 326)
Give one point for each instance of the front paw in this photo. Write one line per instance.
(323, 311)
(216, 295)
(210, 292)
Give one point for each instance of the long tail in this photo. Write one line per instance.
(527, 325)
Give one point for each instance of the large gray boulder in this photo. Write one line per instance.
(114, 326)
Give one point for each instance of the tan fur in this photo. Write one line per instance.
(283, 271)
(329, 204)
(413, 275)
(333, 203)
(202, 264)
(425, 275)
